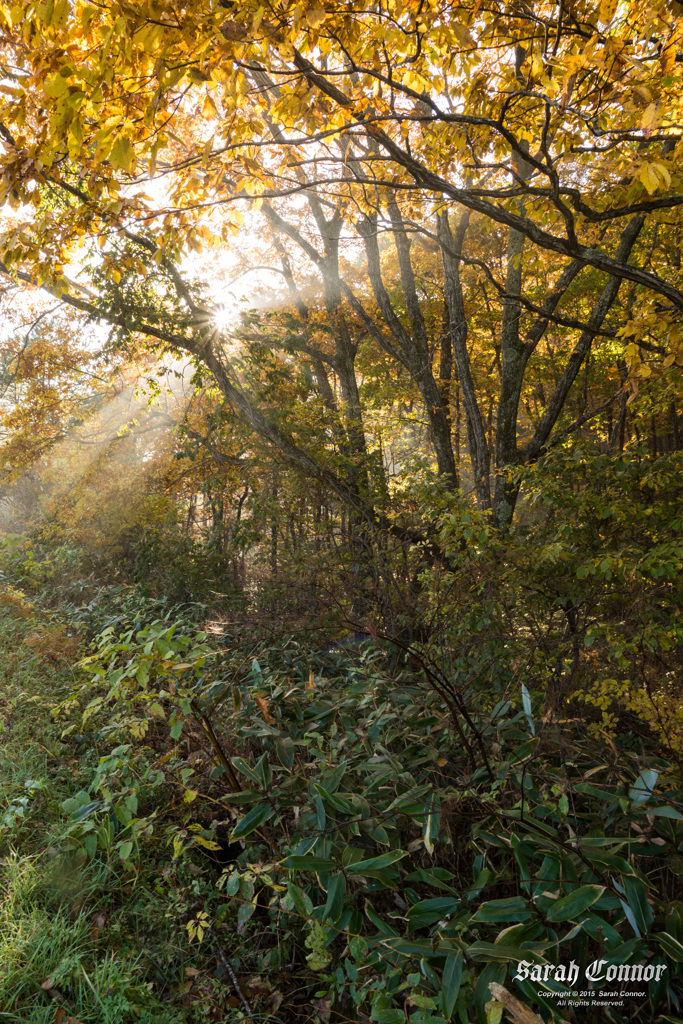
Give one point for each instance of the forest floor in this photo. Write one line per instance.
(89, 942)
(143, 882)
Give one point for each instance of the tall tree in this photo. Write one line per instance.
(136, 134)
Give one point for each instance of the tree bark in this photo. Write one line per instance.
(451, 247)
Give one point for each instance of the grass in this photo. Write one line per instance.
(82, 939)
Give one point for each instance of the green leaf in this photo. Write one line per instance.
(671, 946)
(335, 898)
(482, 993)
(450, 984)
(243, 914)
(429, 911)
(367, 867)
(232, 885)
(87, 810)
(263, 771)
(382, 926)
(73, 803)
(252, 820)
(388, 1016)
(245, 796)
(430, 829)
(307, 863)
(666, 812)
(334, 800)
(412, 947)
(513, 908)
(245, 768)
(569, 907)
(125, 850)
(643, 786)
(284, 748)
(498, 951)
(636, 895)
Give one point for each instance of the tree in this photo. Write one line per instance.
(52, 381)
(534, 149)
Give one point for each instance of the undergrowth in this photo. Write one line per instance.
(248, 826)
(82, 939)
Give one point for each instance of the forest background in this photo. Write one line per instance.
(340, 441)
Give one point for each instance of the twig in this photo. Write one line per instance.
(233, 977)
(218, 750)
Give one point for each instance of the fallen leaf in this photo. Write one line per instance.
(518, 1011)
(272, 1003)
(49, 986)
(323, 1009)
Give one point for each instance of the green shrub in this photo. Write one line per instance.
(401, 856)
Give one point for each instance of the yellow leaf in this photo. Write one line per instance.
(255, 25)
(61, 14)
(122, 154)
(310, 685)
(669, 361)
(649, 119)
(667, 56)
(648, 176)
(208, 148)
(316, 16)
(55, 86)
(643, 95)
(44, 11)
(75, 138)
(663, 172)
(208, 843)
(189, 795)
(607, 11)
